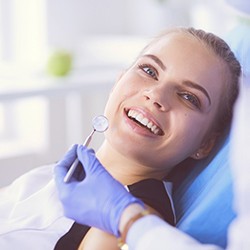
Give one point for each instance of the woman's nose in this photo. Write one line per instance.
(158, 97)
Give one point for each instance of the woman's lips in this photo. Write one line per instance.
(143, 120)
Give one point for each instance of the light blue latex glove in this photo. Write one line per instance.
(98, 200)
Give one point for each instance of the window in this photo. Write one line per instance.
(22, 33)
(23, 126)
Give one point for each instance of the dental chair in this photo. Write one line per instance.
(204, 200)
(204, 196)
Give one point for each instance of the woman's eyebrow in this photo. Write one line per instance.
(157, 60)
(187, 83)
(199, 87)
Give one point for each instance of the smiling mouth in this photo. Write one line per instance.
(143, 121)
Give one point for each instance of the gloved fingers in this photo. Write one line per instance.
(65, 163)
(87, 157)
(68, 158)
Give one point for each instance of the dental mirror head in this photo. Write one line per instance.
(100, 123)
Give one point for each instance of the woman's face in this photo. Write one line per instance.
(162, 107)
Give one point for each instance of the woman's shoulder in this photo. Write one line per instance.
(31, 181)
(30, 206)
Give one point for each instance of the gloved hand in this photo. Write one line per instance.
(99, 199)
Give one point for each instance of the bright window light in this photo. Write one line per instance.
(23, 32)
(24, 127)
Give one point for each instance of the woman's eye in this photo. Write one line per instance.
(192, 99)
(149, 70)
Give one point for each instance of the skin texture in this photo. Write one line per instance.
(176, 83)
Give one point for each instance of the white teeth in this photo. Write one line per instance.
(139, 118)
(144, 121)
(156, 131)
(150, 124)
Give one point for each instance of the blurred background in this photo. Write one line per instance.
(60, 58)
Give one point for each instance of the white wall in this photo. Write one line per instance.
(49, 120)
(104, 37)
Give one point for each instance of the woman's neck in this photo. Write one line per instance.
(123, 168)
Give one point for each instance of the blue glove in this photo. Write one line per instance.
(98, 200)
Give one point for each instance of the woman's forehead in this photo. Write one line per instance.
(175, 39)
(190, 59)
(185, 51)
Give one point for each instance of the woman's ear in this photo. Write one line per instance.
(205, 148)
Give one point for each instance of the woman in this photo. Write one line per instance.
(174, 103)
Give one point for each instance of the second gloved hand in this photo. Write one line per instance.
(99, 199)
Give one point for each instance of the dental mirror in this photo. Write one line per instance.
(99, 124)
